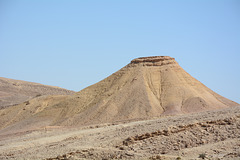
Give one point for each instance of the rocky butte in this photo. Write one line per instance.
(145, 88)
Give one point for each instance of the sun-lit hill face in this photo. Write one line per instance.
(25, 115)
(147, 87)
(14, 92)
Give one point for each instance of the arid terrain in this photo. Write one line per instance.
(150, 109)
(214, 134)
(14, 92)
(145, 88)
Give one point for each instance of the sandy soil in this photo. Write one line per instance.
(214, 134)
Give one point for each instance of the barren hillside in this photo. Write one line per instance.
(147, 87)
(14, 92)
(141, 111)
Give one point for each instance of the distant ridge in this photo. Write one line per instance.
(145, 88)
(13, 92)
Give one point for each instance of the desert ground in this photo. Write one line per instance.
(211, 134)
(150, 109)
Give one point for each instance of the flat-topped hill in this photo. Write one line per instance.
(147, 87)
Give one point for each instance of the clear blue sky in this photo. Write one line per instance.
(76, 43)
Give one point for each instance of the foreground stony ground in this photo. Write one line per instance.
(212, 134)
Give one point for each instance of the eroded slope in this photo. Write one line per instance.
(14, 92)
(148, 87)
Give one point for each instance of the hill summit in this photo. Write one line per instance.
(145, 88)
